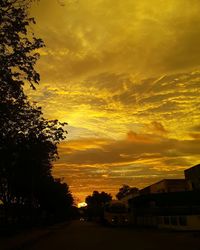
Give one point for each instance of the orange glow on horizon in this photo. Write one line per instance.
(82, 204)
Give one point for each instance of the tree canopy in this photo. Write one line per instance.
(18, 47)
(96, 203)
(28, 141)
(126, 190)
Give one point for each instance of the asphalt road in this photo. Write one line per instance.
(84, 235)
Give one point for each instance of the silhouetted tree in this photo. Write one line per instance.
(55, 197)
(18, 47)
(96, 202)
(28, 142)
(28, 147)
(126, 190)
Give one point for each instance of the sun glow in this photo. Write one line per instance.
(82, 204)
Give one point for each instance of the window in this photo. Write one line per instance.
(174, 220)
(166, 220)
(160, 220)
(183, 220)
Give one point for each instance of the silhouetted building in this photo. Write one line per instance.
(169, 203)
(129, 196)
(192, 176)
(165, 186)
(175, 210)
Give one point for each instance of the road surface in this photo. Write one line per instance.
(80, 235)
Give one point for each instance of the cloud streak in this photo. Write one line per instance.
(125, 75)
(134, 160)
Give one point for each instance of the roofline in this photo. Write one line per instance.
(163, 180)
(195, 166)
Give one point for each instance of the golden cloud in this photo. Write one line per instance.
(104, 164)
(114, 66)
(110, 34)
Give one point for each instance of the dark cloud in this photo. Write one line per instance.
(196, 128)
(137, 147)
(137, 160)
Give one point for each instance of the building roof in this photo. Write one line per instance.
(184, 198)
(196, 167)
(165, 180)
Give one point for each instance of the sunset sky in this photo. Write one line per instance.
(125, 75)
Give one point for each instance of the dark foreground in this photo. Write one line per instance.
(84, 235)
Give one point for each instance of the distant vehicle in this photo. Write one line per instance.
(116, 214)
